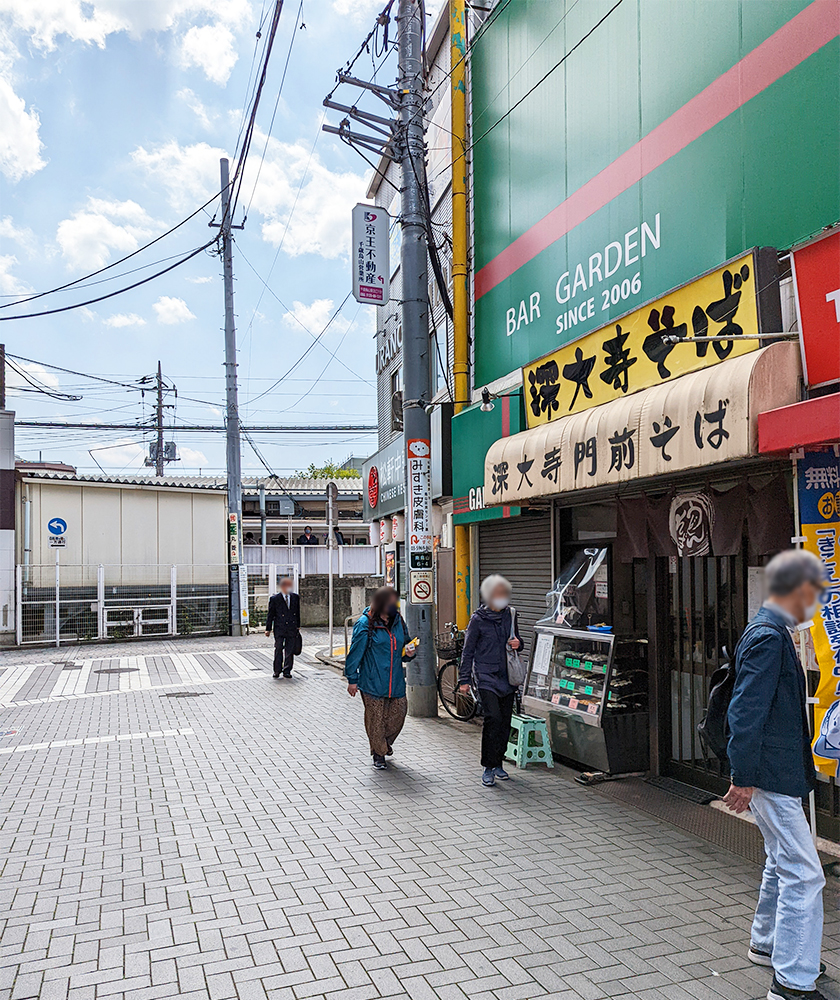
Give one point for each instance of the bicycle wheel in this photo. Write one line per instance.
(460, 706)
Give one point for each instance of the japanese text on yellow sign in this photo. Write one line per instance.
(630, 354)
(819, 506)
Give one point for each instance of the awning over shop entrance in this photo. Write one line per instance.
(695, 421)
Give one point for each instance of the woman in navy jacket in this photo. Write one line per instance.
(374, 666)
(484, 660)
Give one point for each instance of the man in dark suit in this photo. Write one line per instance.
(284, 618)
(773, 771)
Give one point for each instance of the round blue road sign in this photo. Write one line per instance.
(57, 525)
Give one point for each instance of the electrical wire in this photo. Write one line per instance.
(316, 339)
(122, 260)
(119, 291)
(276, 105)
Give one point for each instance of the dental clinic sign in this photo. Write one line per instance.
(371, 255)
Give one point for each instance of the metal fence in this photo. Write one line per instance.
(347, 560)
(81, 603)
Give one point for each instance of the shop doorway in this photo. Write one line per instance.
(705, 611)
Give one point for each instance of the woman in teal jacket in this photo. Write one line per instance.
(374, 666)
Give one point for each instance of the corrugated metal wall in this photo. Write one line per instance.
(520, 549)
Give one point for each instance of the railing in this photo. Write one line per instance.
(347, 560)
(71, 603)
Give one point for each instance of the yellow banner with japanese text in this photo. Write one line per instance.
(631, 354)
(819, 513)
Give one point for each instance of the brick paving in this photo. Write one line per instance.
(237, 845)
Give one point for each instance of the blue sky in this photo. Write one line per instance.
(113, 116)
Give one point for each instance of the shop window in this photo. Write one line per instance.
(594, 520)
(396, 401)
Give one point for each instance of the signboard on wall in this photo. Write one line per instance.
(419, 482)
(816, 273)
(818, 476)
(383, 476)
(630, 354)
(639, 165)
(371, 266)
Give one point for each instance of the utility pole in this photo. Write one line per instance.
(420, 674)
(2, 376)
(460, 273)
(159, 421)
(233, 452)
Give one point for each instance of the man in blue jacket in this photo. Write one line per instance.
(773, 771)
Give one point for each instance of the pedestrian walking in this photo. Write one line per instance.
(772, 771)
(307, 538)
(374, 666)
(284, 619)
(491, 630)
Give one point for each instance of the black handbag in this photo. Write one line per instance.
(298, 643)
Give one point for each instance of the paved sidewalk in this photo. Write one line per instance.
(237, 845)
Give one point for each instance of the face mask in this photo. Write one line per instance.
(499, 603)
(812, 611)
(391, 610)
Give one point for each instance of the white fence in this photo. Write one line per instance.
(60, 602)
(307, 560)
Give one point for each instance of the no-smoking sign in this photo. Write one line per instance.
(421, 586)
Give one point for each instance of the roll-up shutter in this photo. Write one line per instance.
(520, 549)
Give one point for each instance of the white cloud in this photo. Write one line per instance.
(170, 310)
(189, 173)
(198, 108)
(89, 235)
(321, 220)
(24, 237)
(20, 144)
(202, 279)
(10, 284)
(320, 223)
(119, 320)
(363, 10)
(314, 317)
(211, 48)
(39, 373)
(189, 456)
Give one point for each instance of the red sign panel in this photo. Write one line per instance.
(373, 486)
(816, 271)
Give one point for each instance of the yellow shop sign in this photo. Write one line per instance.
(630, 354)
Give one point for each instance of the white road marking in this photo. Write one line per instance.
(62, 744)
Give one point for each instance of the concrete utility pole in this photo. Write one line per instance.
(234, 458)
(422, 693)
(159, 422)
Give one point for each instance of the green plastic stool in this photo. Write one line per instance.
(528, 742)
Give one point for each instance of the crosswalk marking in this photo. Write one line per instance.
(143, 673)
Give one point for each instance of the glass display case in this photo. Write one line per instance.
(592, 686)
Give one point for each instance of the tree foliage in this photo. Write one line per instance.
(328, 471)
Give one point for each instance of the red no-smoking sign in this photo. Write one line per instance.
(421, 585)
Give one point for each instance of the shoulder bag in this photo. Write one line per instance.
(516, 669)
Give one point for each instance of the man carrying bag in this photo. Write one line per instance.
(284, 618)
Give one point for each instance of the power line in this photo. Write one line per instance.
(110, 295)
(102, 270)
(197, 428)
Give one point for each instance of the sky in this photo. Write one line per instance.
(113, 117)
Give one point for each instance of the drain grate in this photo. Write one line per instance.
(186, 694)
(118, 670)
(682, 790)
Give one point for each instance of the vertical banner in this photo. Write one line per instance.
(819, 512)
(419, 482)
(243, 594)
(371, 255)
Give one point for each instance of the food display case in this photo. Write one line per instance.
(591, 686)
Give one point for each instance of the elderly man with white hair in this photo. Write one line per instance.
(492, 628)
(773, 771)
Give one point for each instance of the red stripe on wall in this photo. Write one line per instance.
(783, 51)
(505, 416)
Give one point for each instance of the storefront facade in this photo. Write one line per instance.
(629, 285)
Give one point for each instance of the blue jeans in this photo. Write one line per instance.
(789, 919)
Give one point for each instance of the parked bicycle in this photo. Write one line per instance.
(460, 705)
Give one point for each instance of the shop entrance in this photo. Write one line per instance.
(705, 611)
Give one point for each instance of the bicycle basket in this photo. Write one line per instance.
(449, 646)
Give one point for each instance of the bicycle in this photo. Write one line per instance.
(461, 705)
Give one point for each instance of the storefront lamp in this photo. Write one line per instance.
(486, 400)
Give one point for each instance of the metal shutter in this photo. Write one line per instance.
(520, 549)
